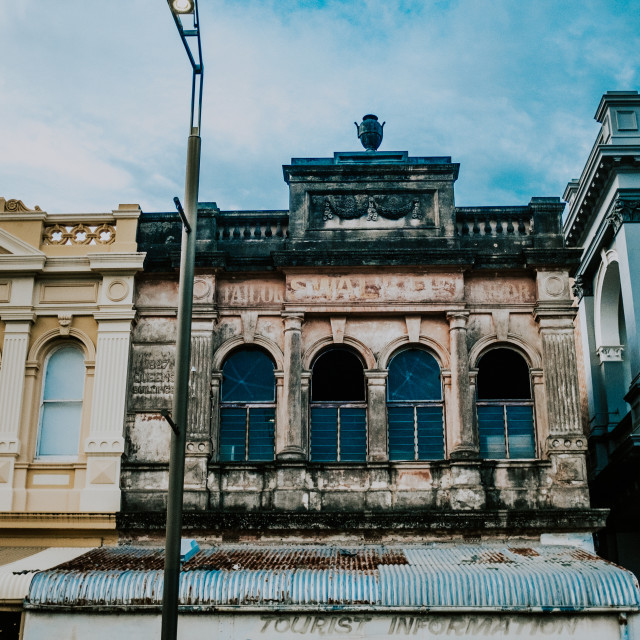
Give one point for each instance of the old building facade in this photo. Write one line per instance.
(384, 434)
(603, 212)
(373, 349)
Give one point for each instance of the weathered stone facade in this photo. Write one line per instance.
(374, 258)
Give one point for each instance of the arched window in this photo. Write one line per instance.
(505, 408)
(247, 407)
(61, 406)
(338, 408)
(414, 407)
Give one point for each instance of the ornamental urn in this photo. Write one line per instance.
(370, 132)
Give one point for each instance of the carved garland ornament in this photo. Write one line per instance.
(79, 234)
(389, 207)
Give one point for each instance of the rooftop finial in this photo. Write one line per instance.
(370, 132)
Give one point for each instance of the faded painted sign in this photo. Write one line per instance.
(373, 288)
(491, 290)
(152, 377)
(250, 293)
(293, 626)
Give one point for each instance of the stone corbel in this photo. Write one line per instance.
(64, 322)
(611, 353)
(104, 444)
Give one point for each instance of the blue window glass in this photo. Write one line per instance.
(61, 407)
(414, 375)
(247, 407)
(414, 407)
(504, 406)
(247, 376)
(338, 425)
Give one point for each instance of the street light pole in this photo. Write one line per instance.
(180, 8)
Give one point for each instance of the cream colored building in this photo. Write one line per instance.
(66, 312)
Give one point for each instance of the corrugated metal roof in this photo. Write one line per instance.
(437, 576)
(16, 576)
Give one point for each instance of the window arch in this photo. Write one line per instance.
(505, 406)
(338, 407)
(247, 406)
(414, 407)
(60, 417)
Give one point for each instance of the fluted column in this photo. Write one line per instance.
(105, 444)
(291, 439)
(561, 377)
(198, 446)
(565, 444)
(463, 437)
(12, 376)
(199, 411)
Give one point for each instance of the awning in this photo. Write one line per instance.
(430, 577)
(20, 564)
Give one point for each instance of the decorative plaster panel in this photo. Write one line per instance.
(68, 292)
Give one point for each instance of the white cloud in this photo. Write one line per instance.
(94, 102)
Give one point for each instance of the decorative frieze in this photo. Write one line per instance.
(74, 234)
(329, 210)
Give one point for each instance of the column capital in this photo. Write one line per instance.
(292, 320)
(457, 319)
(19, 323)
(376, 376)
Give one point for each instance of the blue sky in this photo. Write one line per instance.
(94, 95)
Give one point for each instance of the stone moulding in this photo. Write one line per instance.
(530, 521)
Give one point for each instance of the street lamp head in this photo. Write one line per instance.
(182, 6)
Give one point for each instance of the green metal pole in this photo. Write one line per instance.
(181, 394)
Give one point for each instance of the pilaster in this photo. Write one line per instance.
(105, 444)
(377, 413)
(462, 437)
(291, 436)
(198, 447)
(12, 376)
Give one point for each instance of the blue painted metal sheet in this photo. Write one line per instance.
(438, 576)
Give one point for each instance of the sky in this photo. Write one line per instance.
(95, 94)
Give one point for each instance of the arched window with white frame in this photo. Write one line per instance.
(60, 418)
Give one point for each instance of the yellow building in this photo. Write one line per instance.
(66, 311)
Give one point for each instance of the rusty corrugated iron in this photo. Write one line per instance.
(434, 577)
(238, 559)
